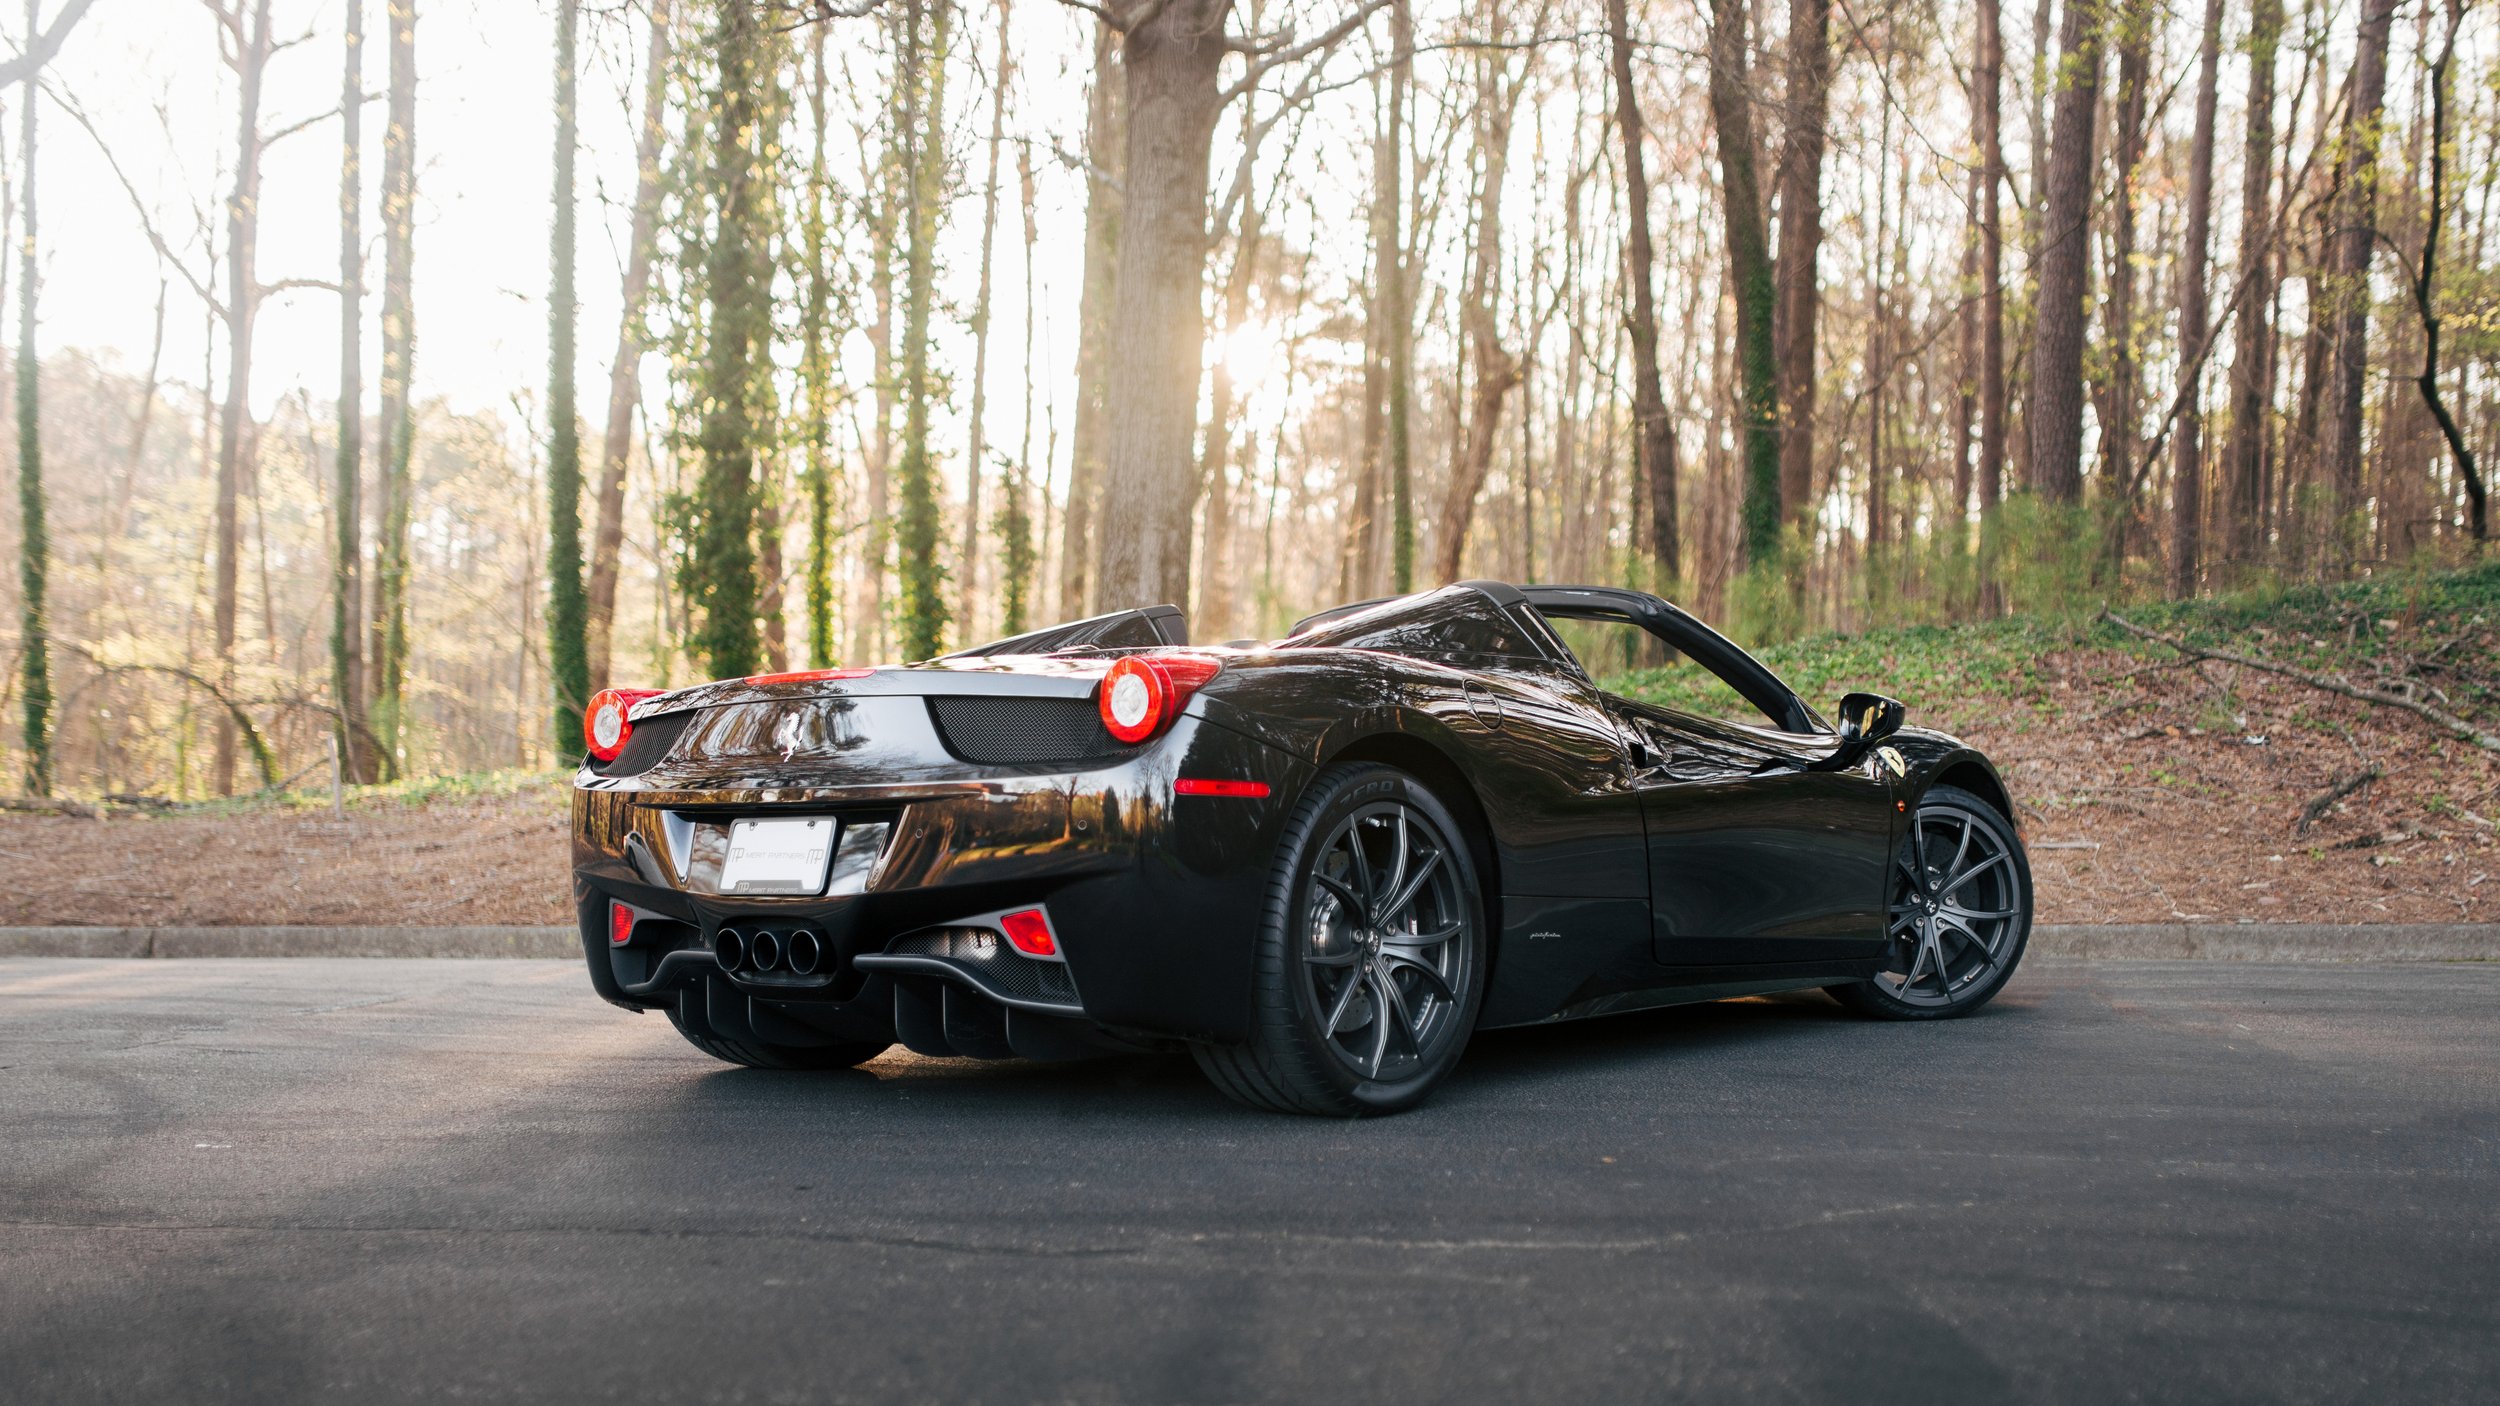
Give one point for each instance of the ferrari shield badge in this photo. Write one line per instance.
(1892, 759)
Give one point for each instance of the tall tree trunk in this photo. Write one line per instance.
(2347, 302)
(1966, 377)
(616, 446)
(1357, 564)
(252, 48)
(1106, 147)
(923, 602)
(2477, 498)
(1799, 291)
(568, 663)
(816, 370)
(738, 276)
(387, 667)
(1654, 442)
(1498, 370)
(1749, 274)
(1211, 614)
(2134, 20)
(1398, 295)
(2252, 380)
(1015, 523)
(347, 597)
(1158, 325)
(1988, 79)
(2187, 465)
(34, 542)
(1002, 74)
(2056, 398)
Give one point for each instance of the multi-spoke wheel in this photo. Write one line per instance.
(1959, 915)
(1371, 958)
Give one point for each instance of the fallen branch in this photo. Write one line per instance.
(2489, 742)
(2321, 802)
(48, 805)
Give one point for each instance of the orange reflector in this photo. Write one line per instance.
(1205, 786)
(620, 924)
(1029, 930)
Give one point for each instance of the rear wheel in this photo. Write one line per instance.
(1371, 954)
(1959, 915)
(756, 1054)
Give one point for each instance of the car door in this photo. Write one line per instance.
(1752, 857)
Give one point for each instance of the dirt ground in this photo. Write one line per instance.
(2147, 794)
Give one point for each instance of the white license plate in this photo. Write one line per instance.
(778, 856)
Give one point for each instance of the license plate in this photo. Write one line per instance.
(778, 856)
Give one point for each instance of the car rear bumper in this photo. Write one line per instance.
(1154, 898)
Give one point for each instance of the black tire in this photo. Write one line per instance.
(1933, 894)
(1305, 1059)
(755, 1054)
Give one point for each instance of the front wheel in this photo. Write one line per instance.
(1371, 954)
(1959, 916)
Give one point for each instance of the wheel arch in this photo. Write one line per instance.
(1971, 772)
(1441, 775)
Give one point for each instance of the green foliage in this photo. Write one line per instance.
(35, 544)
(727, 221)
(2348, 628)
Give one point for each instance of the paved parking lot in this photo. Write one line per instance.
(2183, 1181)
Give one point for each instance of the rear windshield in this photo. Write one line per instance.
(1454, 620)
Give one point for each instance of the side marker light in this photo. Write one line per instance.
(1207, 786)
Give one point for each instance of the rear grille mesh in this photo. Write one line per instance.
(1019, 731)
(981, 953)
(650, 743)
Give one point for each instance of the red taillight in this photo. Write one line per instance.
(605, 724)
(1029, 930)
(807, 676)
(1143, 692)
(620, 924)
(1208, 786)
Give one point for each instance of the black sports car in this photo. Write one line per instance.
(1318, 862)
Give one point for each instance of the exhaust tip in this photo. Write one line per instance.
(729, 948)
(765, 950)
(805, 952)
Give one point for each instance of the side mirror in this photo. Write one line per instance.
(1865, 720)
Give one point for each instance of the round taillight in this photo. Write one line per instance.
(606, 726)
(1134, 699)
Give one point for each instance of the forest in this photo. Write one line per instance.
(869, 329)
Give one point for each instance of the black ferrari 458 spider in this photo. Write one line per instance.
(1318, 863)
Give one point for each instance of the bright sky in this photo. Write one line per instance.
(149, 75)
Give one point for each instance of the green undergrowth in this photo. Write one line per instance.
(413, 792)
(2437, 628)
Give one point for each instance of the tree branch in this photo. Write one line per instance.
(2489, 742)
(1271, 53)
(21, 67)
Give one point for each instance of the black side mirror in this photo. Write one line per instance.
(1865, 720)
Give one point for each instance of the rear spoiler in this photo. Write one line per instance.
(1147, 627)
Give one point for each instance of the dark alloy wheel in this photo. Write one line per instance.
(1371, 958)
(1959, 915)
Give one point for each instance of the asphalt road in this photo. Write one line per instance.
(367, 1180)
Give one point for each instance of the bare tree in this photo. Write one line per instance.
(2187, 464)
(1654, 441)
(625, 372)
(2477, 508)
(1106, 147)
(2352, 238)
(1002, 74)
(2252, 380)
(347, 602)
(1750, 274)
(1798, 291)
(388, 661)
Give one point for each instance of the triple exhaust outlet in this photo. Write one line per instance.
(797, 951)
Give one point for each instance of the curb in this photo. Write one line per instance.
(2211, 942)
(291, 942)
